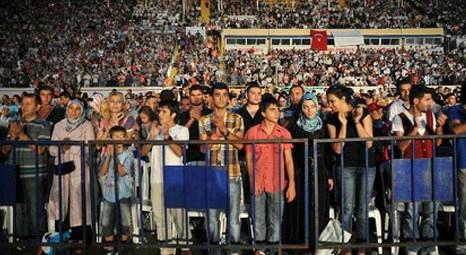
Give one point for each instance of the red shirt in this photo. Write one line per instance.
(268, 157)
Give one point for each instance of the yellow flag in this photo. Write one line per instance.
(205, 10)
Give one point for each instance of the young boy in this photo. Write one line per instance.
(117, 167)
(268, 179)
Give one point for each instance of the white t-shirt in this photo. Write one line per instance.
(177, 133)
(397, 124)
(396, 108)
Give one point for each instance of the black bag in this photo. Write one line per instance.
(66, 168)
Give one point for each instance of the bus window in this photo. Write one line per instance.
(296, 41)
(251, 41)
(241, 41)
(231, 41)
(260, 41)
(330, 41)
(437, 41)
(419, 41)
(374, 41)
(409, 40)
(306, 41)
(395, 41)
(385, 41)
(285, 41)
(275, 41)
(366, 41)
(429, 40)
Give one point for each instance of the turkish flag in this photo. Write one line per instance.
(319, 39)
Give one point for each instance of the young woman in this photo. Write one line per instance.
(347, 121)
(308, 125)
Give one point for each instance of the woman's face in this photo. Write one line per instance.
(144, 117)
(74, 111)
(282, 102)
(337, 104)
(309, 108)
(116, 104)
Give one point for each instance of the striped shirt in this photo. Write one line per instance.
(222, 154)
(37, 130)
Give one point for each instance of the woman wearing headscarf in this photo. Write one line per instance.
(73, 127)
(308, 125)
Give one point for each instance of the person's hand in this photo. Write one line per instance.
(66, 146)
(357, 114)
(220, 127)
(330, 184)
(16, 129)
(342, 118)
(154, 131)
(442, 119)
(110, 149)
(290, 193)
(194, 114)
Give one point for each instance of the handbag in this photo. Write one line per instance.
(66, 168)
(332, 233)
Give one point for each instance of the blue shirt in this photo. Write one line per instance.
(458, 112)
(125, 183)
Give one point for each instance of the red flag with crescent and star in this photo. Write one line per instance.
(319, 39)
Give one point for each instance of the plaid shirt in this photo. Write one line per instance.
(222, 154)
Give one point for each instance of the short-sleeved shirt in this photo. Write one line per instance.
(269, 158)
(37, 130)
(396, 108)
(458, 112)
(353, 152)
(177, 133)
(222, 154)
(125, 183)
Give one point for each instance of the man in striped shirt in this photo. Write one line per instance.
(31, 162)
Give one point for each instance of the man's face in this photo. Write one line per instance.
(196, 97)
(425, 103)
(272, 113)
(28, 106)
(185, 104)
(254, 96)
(220, 98)
(64, 101)
(166, 116)
(451, 100)
(404, 91)
(45, 97)
(295, 95)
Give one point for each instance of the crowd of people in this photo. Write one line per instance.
(90, 44)
(365, 67)
(264, 173)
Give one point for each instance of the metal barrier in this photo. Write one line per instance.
(184, 196)
(195, 190)
(431, 182)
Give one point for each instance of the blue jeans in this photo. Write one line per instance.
(233, 217)
(108, 217)
(428, 227)
(354, 201)
(268, 216)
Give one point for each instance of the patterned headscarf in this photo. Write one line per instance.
(72, 124)
(309, 124)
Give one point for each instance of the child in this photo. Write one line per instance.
(120, 168)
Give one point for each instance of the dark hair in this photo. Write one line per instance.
(65, 94)
(45, 87)
(117, 129)
(266, 101)
(252, 84)
(148, 111)
(184, 97)
(219, 86)
(297, 86)
(170, 105)
(31, 95)
(402, 81)
(167, 94)
(194, 88)
(419, 92)
(340, 92)
(449, 95)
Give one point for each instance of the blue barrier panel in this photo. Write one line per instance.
(402, 181)
(183, 187)
(7, 184)
(425, 188)
(422, 179)
(443, 179)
